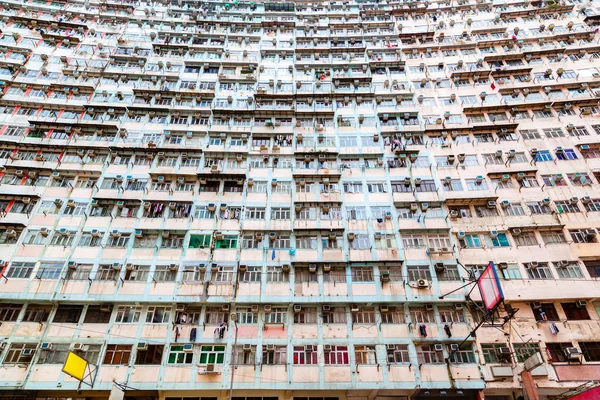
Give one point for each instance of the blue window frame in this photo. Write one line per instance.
(543, 155)
(500, 241)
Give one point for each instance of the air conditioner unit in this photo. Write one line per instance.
(268, 308)
(354, 308)
(72, 264)
(285, 268)
(327, 347)
(572, 353)
(458, 306)
(115, 233)
(493, 234)
(173, 267)
(581, 303)
(27, 352)
(270, 347)
(46, 346)
(80, 347)
(106, 307)
(297, 308)
(536, 305)
(454, 347)
(385, 276)
(142, 346)
(534, 264)
(423, 283)
(563, 263)
(326, 308)
(461, 235)
(188, 348)
(255, 308)
(438, 347)
(117, 266)
(453, 214)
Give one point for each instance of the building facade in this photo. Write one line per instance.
(284, 200)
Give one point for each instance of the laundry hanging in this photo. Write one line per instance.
(193, 332)
(447, 330)
(423, 330)
(554, 329)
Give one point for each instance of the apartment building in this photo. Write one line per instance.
(266, 200)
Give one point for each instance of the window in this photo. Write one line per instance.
(426, 354)
(274, 356)
(514, 210)
(590, 351)
(20, 270)
(305, 355)
(539, 271)
(9, 312)
(421, 315)
(199, 241)
(245, 315)
(553, 237)
(245, 357)
(416, 272)
(394, 315)
(91, 353)
(525, 350)
(362, 274)
(17, 355)
(365, 355)
(413, 240)
(557, 351)
(475, 184)
(177, 356)
(57, 354)
(575, 311)
(496, 353)
(501, 240)
(545, 312)
(450, 314)
(49, 270)
(128, 314)
(117, 354)
(583, 236)
(464, 354)
(569, 271)
(307, 315)
(152, 355)
(566, 206)
(228, 242)
(363, 316)
(212, 354)
(538, 208)
(566, 154)
(68, 314)
(426, 186)
(166, 273)
(337, 315)
(137, 273)
(450, 273)
(97, 315)
(278, 315)
(526, 239)
(336, 355)
(398, 354)
(158, 315)
(543, 155)
(470, 241)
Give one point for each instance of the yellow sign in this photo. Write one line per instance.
(75, 366)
